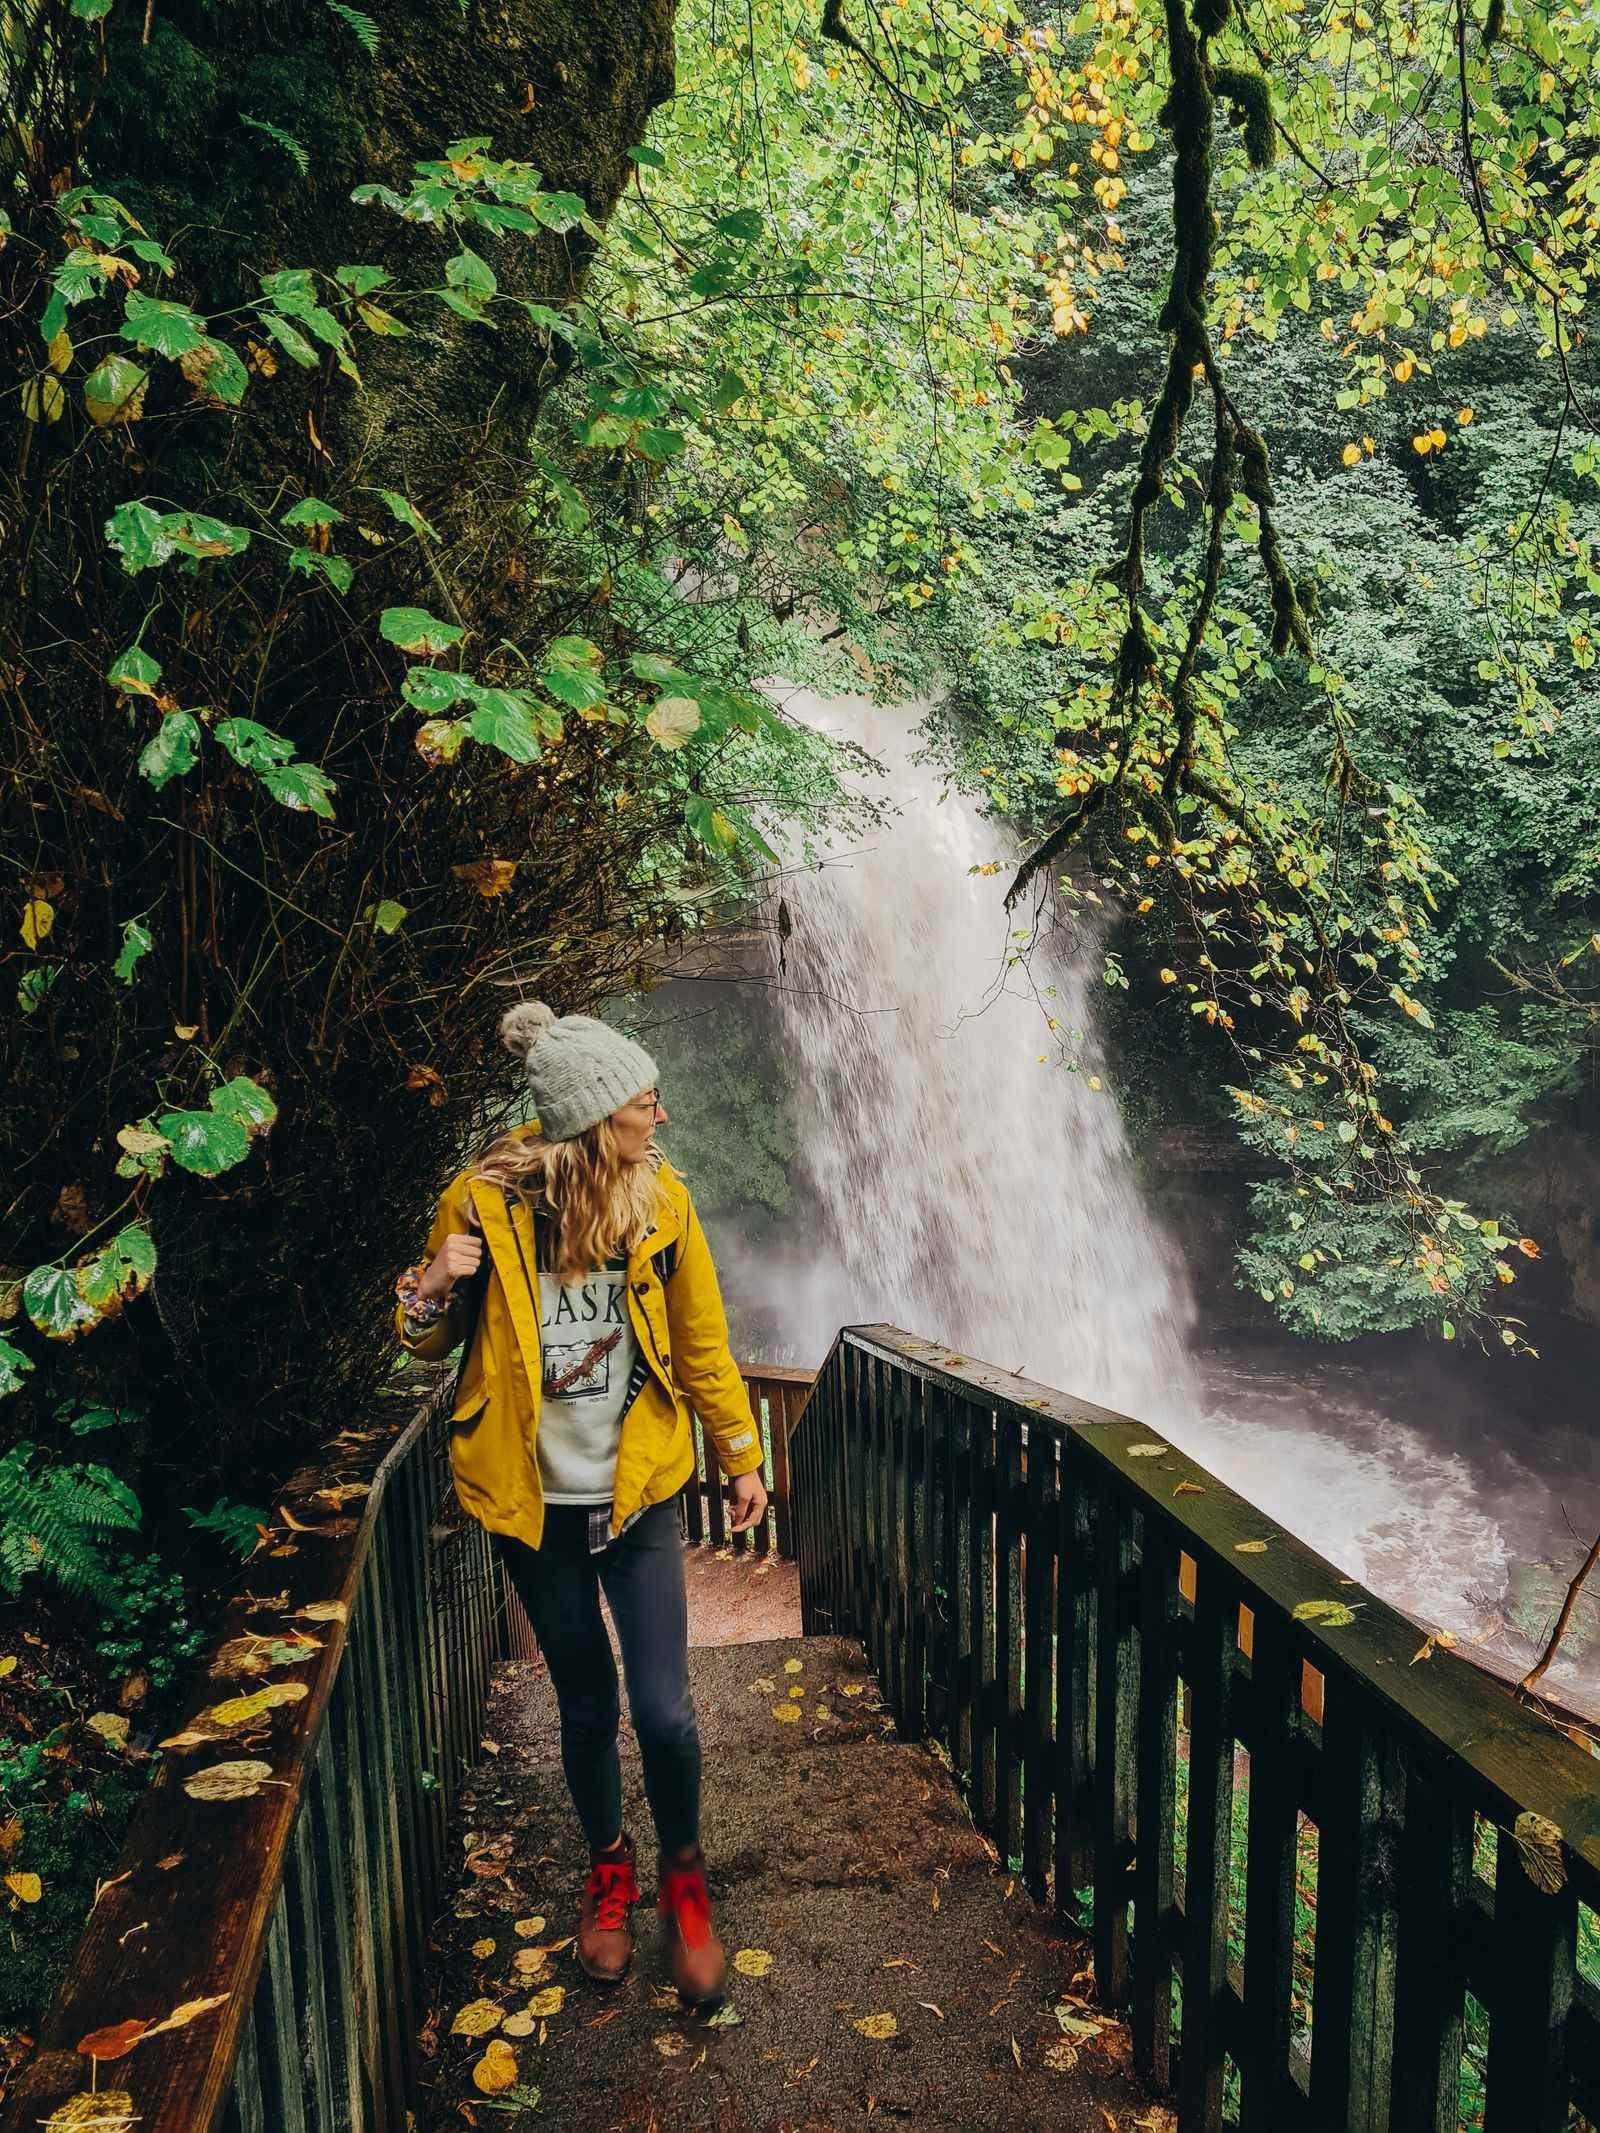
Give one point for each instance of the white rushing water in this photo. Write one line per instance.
(964, 1190)
(969, 1191)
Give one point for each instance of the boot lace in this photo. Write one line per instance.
(690, 1904)
(613, 1888)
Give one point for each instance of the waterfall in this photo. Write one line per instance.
(960, 1184)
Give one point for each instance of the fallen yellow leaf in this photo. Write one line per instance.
(877, 2026)
(548, 2002)
(25, 1887)
(786, 1713)
(497, 2069)
(752, 1962)
(476, 2019)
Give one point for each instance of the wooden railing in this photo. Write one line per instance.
(294, 1913)
(1335, 1876)
(283, 1926)
(776, 1398)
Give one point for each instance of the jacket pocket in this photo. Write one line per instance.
(470, 1403)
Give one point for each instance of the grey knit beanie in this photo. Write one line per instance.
(579, 1070)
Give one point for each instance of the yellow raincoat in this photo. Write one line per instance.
(682, 1334)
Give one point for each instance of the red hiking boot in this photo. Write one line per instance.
(605, 1931)
(699, 1968)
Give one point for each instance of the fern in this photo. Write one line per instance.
(292, 148)
(361, 27)
(53, 1522)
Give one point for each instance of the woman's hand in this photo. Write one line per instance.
(458, 1256)
(749, 1496)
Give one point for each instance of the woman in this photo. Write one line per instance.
(572, 1265)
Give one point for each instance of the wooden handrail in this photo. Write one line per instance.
(1040, 1583)
(271, 1943)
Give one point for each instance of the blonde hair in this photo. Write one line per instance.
(598, 1205)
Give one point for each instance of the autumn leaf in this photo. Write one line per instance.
(112, 1726)
(105, 2111)
(548, 2002)
(483, 1949)
(1249, 1547)
(786, 1713)
(228, 1781)
(1146, 1451)
(877, 2026)
(490, 877)
(38, 917)
(239, 1710)
(324, 1611)
(1426, 1649)
(476, 2019)
(752, 1962)
(529, 1928)
(1327, 1614)
(496, 2071)
(1188, 1488)
(25, 1887)
(669, 2045)
(1538, 1842)
(115, 2041)
(794, 1666)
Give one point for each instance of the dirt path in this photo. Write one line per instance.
(842, 1858)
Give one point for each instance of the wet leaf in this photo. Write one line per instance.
(530, 1964)
(1188, 1488)
(669, 2044)
(939, 2011)
(764, 1687)
(1061, 2056)
(1146, 1451)
(752, 1962)
(25, 1887)
(726, 2017)
(490, 877)
(786, 1713)
(877, 2026)
(1425, 1650)
(529, 1928)
(476, 2019)
(548, 2002)
(794, 1666)
(518, 2025)
(1538, 1842)
(115, 2041)
(110, 2111)
(1016, 2053)
(1079, 2026)
(1327, 1614)
(111, 1726)
(239, 1710)
(852, 1688)
(227, 1781)
(322, 1611)
(182, 2015)
(1249, 1547)
(483, 1949)
(8, 1665)
(496, 2071)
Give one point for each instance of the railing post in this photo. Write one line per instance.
(1075, 1685)
(1038, 1660)
(1115, 1721)
(1156, 1802)
(1363, 1807)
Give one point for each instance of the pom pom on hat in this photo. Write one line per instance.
(522, 1026)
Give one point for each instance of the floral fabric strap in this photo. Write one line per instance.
(419, 1310)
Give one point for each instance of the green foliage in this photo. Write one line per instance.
(236, 1525)
(53, 1521)
(146, 1625)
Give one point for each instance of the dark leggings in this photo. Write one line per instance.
(642, 1572)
